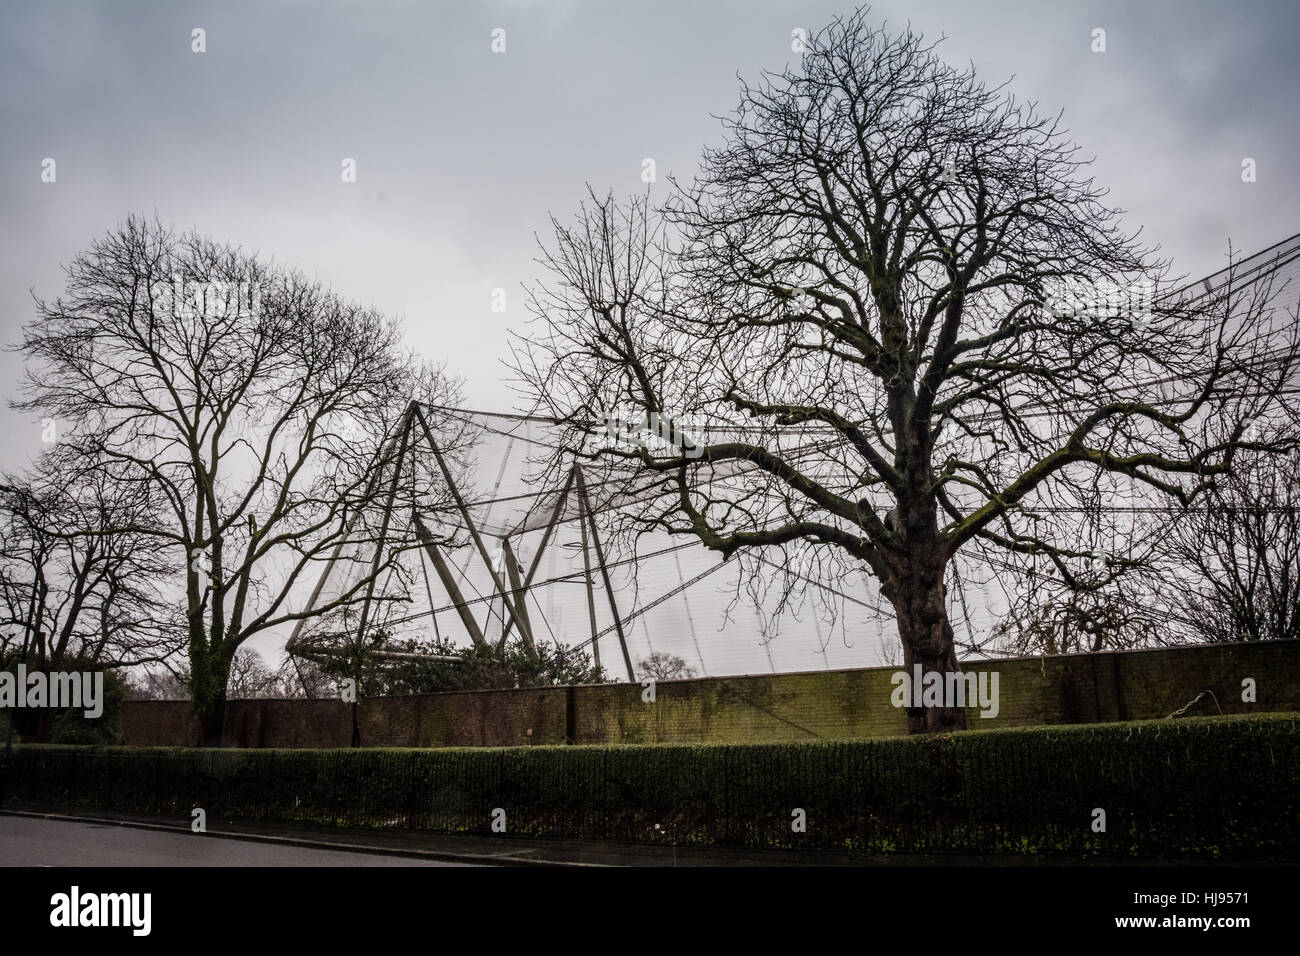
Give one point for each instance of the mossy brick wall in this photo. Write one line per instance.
(249, 723)
(499, 718)
(826, 705)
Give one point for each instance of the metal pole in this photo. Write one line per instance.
(604, 574)
(383, 535)
(464, 509)
(443, 570)
(546, 537)
(518, 593)
(348, 526)
(591, 594)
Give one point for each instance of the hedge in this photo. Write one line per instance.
(1209, 787)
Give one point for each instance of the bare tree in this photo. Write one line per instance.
(302, 678)
(251, 677)
(1235, 559)
(255, 403)
(1061, 620)
(78, 579)
(664, 666)
(891, 306)
(158, 683)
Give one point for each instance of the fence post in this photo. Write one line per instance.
(726, 795)
(334, 784)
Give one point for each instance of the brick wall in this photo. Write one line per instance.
(821, 704)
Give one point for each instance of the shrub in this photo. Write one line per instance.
(1197, 787)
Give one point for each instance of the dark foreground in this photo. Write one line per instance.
(92, 841)
(224, 883)
(33, 841)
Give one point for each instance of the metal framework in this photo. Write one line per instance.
(512, 586)
(415, 435)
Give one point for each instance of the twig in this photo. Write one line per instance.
(1183, 709)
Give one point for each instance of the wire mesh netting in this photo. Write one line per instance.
(671, 595)
(490, 539)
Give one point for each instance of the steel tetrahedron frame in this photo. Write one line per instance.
(567, 499)
(510, 585)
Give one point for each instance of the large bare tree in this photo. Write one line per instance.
(256, 405)
(79, 578)
(900, 316)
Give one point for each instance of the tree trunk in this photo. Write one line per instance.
(208, 676)
(211, 720)
(927, 637)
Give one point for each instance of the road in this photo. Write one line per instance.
(26, 841)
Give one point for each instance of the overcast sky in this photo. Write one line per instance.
(461, 153)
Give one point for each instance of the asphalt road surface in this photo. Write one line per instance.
(25, 841)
